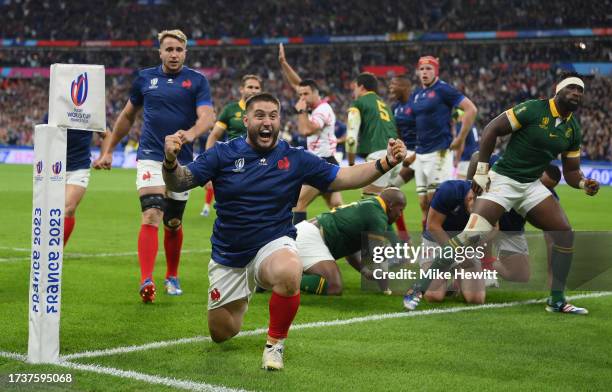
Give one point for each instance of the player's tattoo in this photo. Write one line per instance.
(179, 179)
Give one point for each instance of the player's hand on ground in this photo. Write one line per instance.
(591, 187)
(186, 136)
(367, 273)
(300, 105)
(172, 146)
(281, 53)
(104, 161)
(457, 144)
(481, 180)
(396, 151)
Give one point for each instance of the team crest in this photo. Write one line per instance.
(239, 165)
(238, 114)
(186, 84)
(544, 123)
(146, 176)
(215, 295)
(284, 164)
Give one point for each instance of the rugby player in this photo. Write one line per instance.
(336, 234)
(257, 182)
(176, 99)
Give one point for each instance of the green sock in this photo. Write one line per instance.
(561, 261)
(313, 284)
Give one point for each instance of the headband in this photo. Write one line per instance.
(567, 81)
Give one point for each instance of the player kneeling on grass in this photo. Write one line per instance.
(540, 131)
(336, 234)
(257, 181)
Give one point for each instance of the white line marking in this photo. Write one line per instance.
(151, 379)
(317, 324)
(68, 256)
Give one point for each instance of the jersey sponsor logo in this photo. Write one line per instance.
(284, 164)
(215, 295)
(544, 122)
(153, 83)
(186, 84)
(239, 165)
(146, 176)
(57, 168)
(78, 89)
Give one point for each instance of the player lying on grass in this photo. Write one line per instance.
(540, 131)
(257, 181)
(338, 233)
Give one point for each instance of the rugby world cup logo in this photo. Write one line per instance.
(39, 167)
(78, 89)
(57, 168)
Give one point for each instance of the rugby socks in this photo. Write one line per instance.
(282, 313)
(69, 223)
(173, 243)
(561, 261)
(210, 193)
(313, 284)
(147, 250)
(298, 217)
(487, 263)
(402, 230)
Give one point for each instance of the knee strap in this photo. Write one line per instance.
(152, 201)
(173, 213)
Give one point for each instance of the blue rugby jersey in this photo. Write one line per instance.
(449, 200)
(431, 108)
(169, 103)
(404, 120)
(255, 193)
(78, 148)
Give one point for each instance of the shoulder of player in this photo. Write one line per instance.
(193, 72)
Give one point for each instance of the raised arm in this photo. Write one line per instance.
(177, 178)
(289, 73)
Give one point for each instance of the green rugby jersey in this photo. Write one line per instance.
(539, 136)
(342, 226)
(377, 123)
(231, 119)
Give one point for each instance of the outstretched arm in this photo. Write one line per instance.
(358, 176)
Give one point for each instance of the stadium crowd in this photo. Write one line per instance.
(28, 19)
(495, 76)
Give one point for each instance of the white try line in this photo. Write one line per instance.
(130, 374)
(319, 324)
(68, 256)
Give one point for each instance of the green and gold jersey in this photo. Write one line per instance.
(342, 226)
(539, 136)
(231, 119)
(377, 123)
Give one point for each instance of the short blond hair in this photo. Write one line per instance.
(177, 34)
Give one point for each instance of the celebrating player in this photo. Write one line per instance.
(257, 182)
(316, 121)
(432, 104)
(336, 234)
(230, 121)
(177, 99)
(370, 124)
(540, 131)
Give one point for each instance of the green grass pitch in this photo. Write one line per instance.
(518, 347)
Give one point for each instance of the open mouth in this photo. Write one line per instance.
(265, 135)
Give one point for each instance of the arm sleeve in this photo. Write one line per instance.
(203, 97)
(206, 166)
(521, 115)
(451, 96)
(136, 96)
(223, 120)
(573, 150)
(316, 171)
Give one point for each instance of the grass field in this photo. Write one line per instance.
(357, 342)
